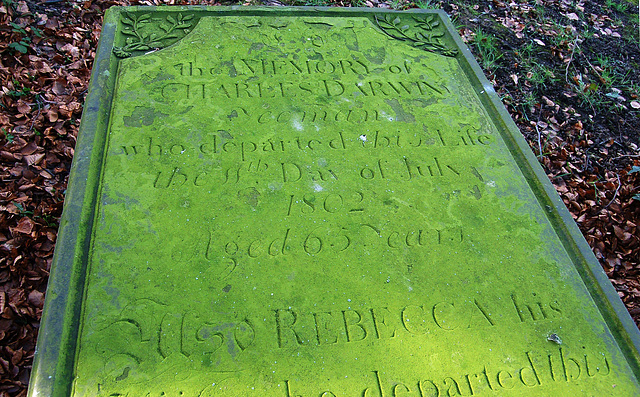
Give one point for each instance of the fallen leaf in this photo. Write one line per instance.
(58, 87)
(52, 115)
(71, 49)
(29, 149)
(36, 298)
(25, 225)
(23, 8)
(33, 159)
(23, 107)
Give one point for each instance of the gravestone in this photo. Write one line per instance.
(315, 202)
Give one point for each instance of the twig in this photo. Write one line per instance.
(627, 155)
(602, 80)
(573, 49)
(586, 162)
(538, 131)
(42, 100)
(615, 194)
(33, 119)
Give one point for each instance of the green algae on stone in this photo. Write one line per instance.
(326, 203)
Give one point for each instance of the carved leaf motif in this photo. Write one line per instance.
(144, 35)
(185, 17)
(120, 53)
(385, 23)
(126, 21)
(420, 35)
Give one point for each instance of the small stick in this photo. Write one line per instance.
(615, 193)
(538, 131)
(566, 70)
(627, 155)
(602, 80)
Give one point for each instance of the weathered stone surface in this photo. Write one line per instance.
(315, 203)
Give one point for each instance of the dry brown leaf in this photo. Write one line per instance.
(36, 298)
(33, 159)
(572, 16)
(23, 8)
(71, 49)
(29, 149)
(25, 225)
(58, 87)
(23, 107)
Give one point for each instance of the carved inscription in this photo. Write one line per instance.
(224, 253)
(279, 89)
(309, 329)
(153, 333)
(532, 369)
(253, 67)
(521, 374)
(331, 239)
(399, 83)
(330, 203)
(223, 144)
(262, 172)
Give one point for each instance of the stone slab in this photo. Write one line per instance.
(315, 202)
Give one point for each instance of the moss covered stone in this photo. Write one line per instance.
(314, 202)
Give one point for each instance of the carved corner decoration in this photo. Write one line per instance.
(424, 33)
(145, 36)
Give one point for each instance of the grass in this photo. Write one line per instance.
(8, 136)
(427, 4)
(541, 75)
(488, 49)
(17, 93)
(619, 6)
(559, 54)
